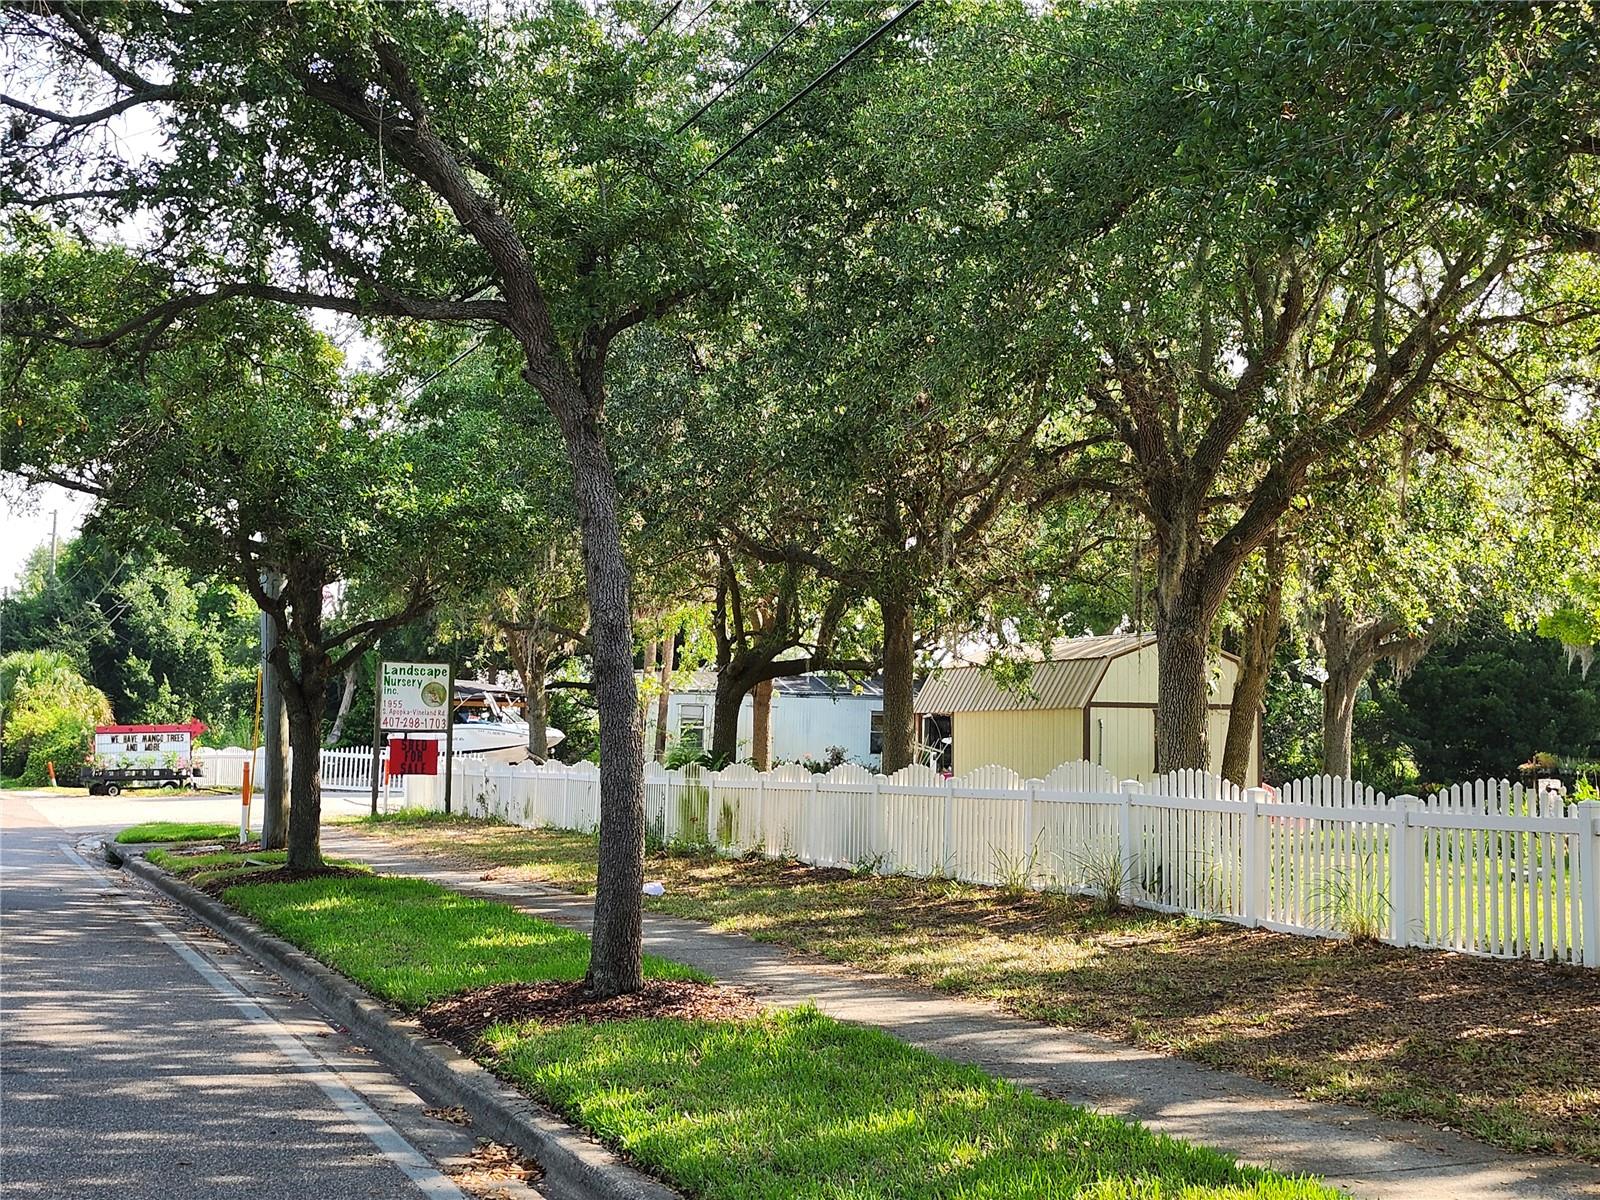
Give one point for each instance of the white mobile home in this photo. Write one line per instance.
(810, 715)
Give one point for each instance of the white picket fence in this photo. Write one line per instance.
(1490, 868)
(342, 770)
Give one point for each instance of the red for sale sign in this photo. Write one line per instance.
(413, 756)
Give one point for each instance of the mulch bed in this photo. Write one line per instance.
(462, 1018)
(198, 849)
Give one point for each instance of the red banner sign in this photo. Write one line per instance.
(413, 756)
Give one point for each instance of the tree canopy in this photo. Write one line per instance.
(844, 337)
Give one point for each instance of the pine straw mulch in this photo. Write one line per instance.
(462, 1018)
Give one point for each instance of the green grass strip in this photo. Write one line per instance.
(411, 941)
(177, 831)
(795, 1105)
(799, 1105)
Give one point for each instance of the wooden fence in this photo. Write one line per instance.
(1492, 867)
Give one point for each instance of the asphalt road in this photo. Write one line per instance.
(140, 1057)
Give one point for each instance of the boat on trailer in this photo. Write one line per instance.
(489, 721)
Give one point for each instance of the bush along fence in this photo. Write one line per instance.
(1490, 868)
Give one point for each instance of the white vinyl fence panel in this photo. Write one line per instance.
(348, 770)
(1490, 868)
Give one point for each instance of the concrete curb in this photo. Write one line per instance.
(575, 1166)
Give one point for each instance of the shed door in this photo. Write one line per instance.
(1123, 740)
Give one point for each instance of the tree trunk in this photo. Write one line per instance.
(1338, 722)
(1348, 651)
(306, 700)
(1351, 648)
(345, 698)
(663, 698)
(538, 711)
(615, 955)
(761, 726)
(1260, 644)
(1182, 683)
(899, 683)
(1191, 582)
(731, 690)
(303, 676)
(274, 734)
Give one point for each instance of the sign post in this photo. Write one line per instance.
(414, 698)
(377, 730)
(449, 737)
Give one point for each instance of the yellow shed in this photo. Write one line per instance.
(1090, 698)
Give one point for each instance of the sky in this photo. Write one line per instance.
(25, 523)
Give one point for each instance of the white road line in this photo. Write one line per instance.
(394, 1147)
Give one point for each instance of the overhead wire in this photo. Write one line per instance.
(416, 388)
(855, 52)
(756, 62)
(662, 20)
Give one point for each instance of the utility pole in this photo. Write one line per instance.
(274, 730)
(5, 598)
(54, 516)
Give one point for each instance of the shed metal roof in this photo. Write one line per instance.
(1067, 678)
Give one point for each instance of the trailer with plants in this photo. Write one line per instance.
(142, 756)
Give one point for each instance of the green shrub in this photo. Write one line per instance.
(57, 736)
(234, 729)
(45, 700)
(685, 754)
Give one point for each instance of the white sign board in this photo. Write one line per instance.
(143, 750)
(414, 696)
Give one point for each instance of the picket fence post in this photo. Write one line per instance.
(1256, 849)
(812, 818)
(760, 846)
(1589, 879)
(880, 824)
(1405, 873)
(948, 857)
(1028, 818)
(1127, 849)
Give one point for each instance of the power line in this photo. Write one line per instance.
(695, 20)
(740, 77)
(416, 388)
(860, 48)
(662, 20)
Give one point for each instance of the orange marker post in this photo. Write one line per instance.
(244, 804)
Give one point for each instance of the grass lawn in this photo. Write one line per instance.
(410, 941)
(785, 1106)
(797, 1104)
(178, 831)
(1501, 1050)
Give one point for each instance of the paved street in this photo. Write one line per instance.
(142, 1058)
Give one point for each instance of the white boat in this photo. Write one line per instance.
(489, 721)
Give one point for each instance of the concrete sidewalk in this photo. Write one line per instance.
(1366, 1155)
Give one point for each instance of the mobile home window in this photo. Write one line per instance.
(875, 737)
(692, 725)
